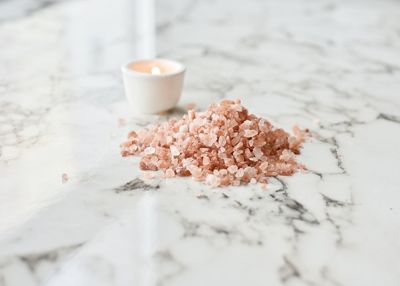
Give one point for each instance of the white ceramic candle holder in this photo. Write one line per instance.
(153, 86)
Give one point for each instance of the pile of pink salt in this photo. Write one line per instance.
(224, 145)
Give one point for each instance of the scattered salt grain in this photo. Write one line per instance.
(64, 178)
(121, 122)
(224, 145)
(148, 175)
(316, 121)
(190, 106)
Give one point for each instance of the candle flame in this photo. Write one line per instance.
(155, 70)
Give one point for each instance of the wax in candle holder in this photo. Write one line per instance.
(153, 86)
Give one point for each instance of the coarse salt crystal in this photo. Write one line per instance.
(148, 175)
(258, 153)
(187, 162)
(149, 150)
(169, 173)
(232, 169)
(286, 155)
(183, 129)
(64, 178)
(264, 166)
(174, 150)
(212, 180)
(190, 106)
(250, 133)
(239, 173)
(206, 160)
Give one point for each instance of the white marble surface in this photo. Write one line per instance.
(331, 66)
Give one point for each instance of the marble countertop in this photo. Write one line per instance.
(331, 66)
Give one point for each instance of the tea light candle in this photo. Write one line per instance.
(153, 86)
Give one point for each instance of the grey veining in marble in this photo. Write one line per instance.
(331, 66)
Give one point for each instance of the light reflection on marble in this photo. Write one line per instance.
(331, 66)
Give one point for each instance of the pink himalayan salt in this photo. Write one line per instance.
(149, 150)
(148, 175)
(224, 145)
(250, 133)
(232, 169)
(174, 151)
(121, 122)
(64, 178)
(190, 106)
(169, 173)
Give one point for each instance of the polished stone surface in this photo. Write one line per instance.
(332, 66)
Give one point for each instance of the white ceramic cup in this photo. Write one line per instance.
(153, 86)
